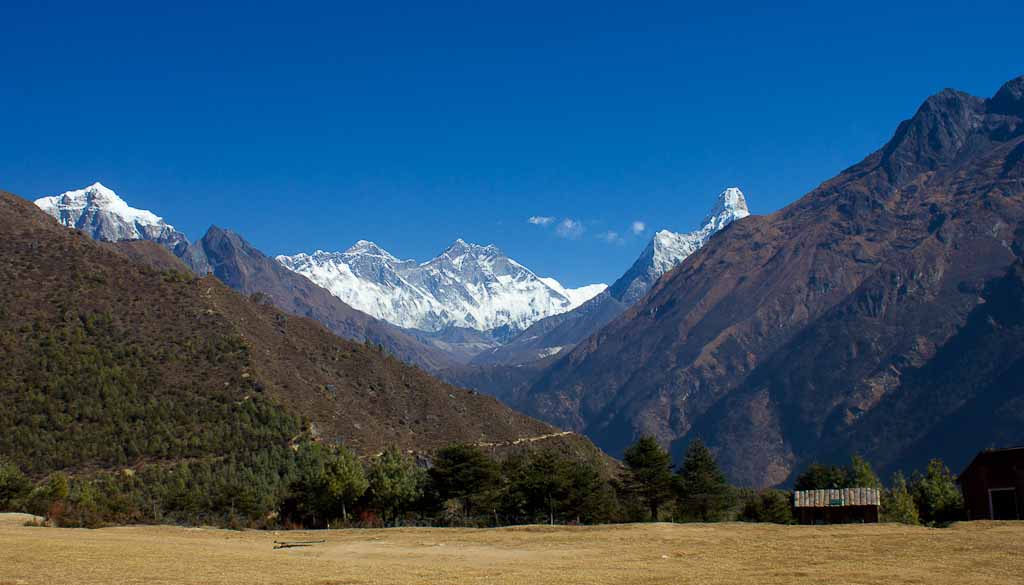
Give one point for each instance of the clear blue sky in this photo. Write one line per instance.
(309, 126)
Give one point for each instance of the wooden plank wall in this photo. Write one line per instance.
(859, 496)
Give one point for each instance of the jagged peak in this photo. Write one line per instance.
(102, 197)
(663, 236)
(215, 230)
(460, 246)
(368, 248)
(731, 199)
(1009, 100)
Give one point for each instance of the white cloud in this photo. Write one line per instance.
(610, 236)
(544, 220)
(570, 228)
(638, 227)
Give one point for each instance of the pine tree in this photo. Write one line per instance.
(897, 502)
(861, 474)
(702, 492)
(545, 485)
(938, 499)
(821, 477)
(589, 497)
(769, 506)
(395, 483)
(345, 480)
(14, 485)
(648, 474)
(463, 472)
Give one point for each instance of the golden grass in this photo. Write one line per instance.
(980, 552)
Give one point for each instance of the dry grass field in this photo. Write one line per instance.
(984, 552)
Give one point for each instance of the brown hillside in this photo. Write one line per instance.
(238, 264)
(788, 337)
(107, 361)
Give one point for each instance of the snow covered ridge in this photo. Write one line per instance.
(668, 249)
(103, 215)
(467, 285)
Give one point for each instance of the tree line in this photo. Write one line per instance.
(313, 485)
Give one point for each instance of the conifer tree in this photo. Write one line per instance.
(822, 477)
(702, 492)
(648, 474)
(463, 472)
(395, 483)
(861, 474)
(344, 480)
(898, 503)
(14, 485)
(769, 506)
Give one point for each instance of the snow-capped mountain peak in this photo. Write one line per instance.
(466, 285)
(730, 206)
(365, 248)
(101, 213)
(668, 249)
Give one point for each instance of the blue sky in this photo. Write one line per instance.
(307, 126)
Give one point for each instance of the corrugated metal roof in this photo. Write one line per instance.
(837, 497)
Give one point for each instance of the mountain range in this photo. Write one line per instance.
(468, 304)
(111, 357)
(666, 250)
(880, 313)
(467, 286)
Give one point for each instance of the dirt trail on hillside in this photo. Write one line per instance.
(523, 440)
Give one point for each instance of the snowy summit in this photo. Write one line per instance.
(467, 285)
(668, 249)
(103, 215)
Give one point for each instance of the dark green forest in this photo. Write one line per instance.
(318, 486)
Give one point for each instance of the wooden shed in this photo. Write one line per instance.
(837, 506)
(993, 485)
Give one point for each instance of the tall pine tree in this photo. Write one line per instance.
(702, 492)
(649, 474)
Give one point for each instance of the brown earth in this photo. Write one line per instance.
(879, 313)
(733, 554)
(86, 331)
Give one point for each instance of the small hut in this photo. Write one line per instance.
(993, 485)
(837, 506)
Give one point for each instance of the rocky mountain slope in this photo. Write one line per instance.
(838, 323)
(238, 264)
(99, 212)
(110, 362)
(559, 333)
(467, 285)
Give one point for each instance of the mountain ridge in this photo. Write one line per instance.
(776, 339)
(86, 325)
(666, 249)
(466, 285)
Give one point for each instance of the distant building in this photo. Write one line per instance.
(837, 506)
(993, 485)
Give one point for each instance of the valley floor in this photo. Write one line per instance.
(980, 552)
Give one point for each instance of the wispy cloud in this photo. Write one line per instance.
(570, 229)
(543, 220)
(610, 236)
(638, 227)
